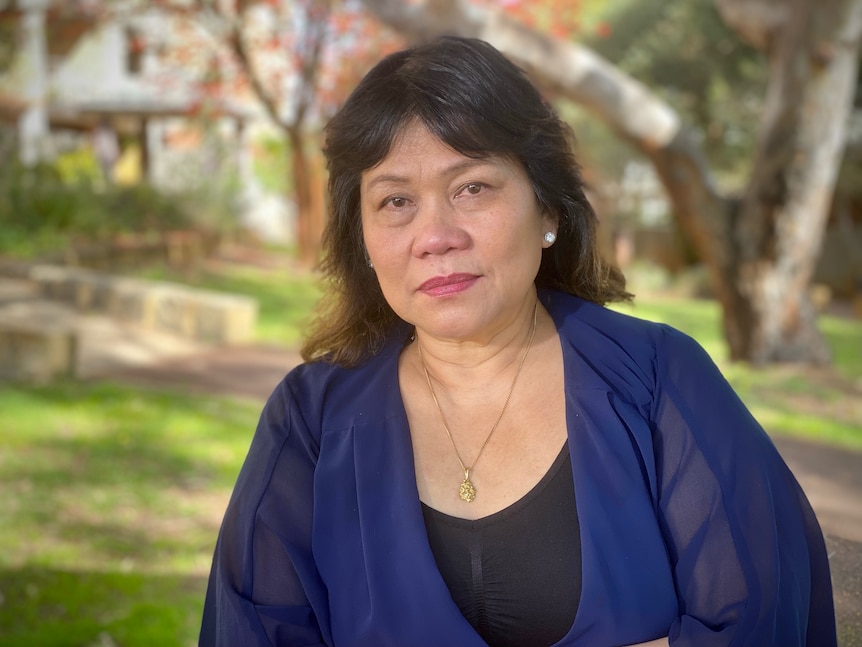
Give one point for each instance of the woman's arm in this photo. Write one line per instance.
(264, 588)
(658, 642)
(748, 557)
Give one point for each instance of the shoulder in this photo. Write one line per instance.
(628, 353)
(327, 395)
(637, 337)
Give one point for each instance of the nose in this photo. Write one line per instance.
(438, 230)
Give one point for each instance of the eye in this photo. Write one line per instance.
(395, 201)
(473, 188)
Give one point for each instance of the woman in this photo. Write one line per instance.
(476, 451)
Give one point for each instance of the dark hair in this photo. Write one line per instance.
(472, 98)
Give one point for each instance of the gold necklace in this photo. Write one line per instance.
(467, 491)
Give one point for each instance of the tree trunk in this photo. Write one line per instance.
(309, 216)
(778, 228)
(760, 252)
(308, 242)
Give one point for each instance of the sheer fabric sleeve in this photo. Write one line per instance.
(264, 588)
(749, 559)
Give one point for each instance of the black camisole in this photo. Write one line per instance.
(516, 574)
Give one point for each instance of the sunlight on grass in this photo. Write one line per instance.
(845, 340)
(67, 607)
(119, 492)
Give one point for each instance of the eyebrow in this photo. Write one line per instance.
(454, 169)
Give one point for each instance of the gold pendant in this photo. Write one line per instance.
(467, 492)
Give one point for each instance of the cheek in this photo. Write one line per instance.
(383, 248)
(373, 240)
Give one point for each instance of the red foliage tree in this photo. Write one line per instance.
(297, 58)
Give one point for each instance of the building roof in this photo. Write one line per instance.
(125, 115)
(86, 114)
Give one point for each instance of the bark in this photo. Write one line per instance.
(760, 253)
(780, 223)
(755, 21)
(301, 184)
(309, 209)
(308, 193)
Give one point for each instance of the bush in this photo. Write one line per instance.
(50, 207)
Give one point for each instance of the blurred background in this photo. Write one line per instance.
(162, 200)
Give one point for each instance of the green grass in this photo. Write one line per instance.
(845, 340)
(112, 499)
(55, 607)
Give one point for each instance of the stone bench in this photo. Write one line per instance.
(38, 342)
(202, 315)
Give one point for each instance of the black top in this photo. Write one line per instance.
(516, 574)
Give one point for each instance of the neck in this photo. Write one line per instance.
(466, 366)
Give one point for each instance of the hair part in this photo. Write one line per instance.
(467, 94)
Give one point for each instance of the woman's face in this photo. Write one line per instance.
(456, 242)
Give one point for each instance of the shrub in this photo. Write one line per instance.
(52, 206)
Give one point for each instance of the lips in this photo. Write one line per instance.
(451, 284)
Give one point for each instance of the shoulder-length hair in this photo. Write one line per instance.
(475, 100)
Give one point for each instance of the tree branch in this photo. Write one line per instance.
(270, 104)
(309, 67)
(228, 30)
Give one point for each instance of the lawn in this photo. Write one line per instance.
(113, 494)
(112, 500)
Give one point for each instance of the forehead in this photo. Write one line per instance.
(415, 142)
(416, 153)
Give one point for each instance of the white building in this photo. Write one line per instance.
(76, 77)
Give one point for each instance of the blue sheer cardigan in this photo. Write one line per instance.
(692, 526)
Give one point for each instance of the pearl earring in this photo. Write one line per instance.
(370, 264)
(550, 237)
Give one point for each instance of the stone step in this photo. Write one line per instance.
(38, 341)
(42, 340)
(201, 315)
(66, 321)
(17, 290)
